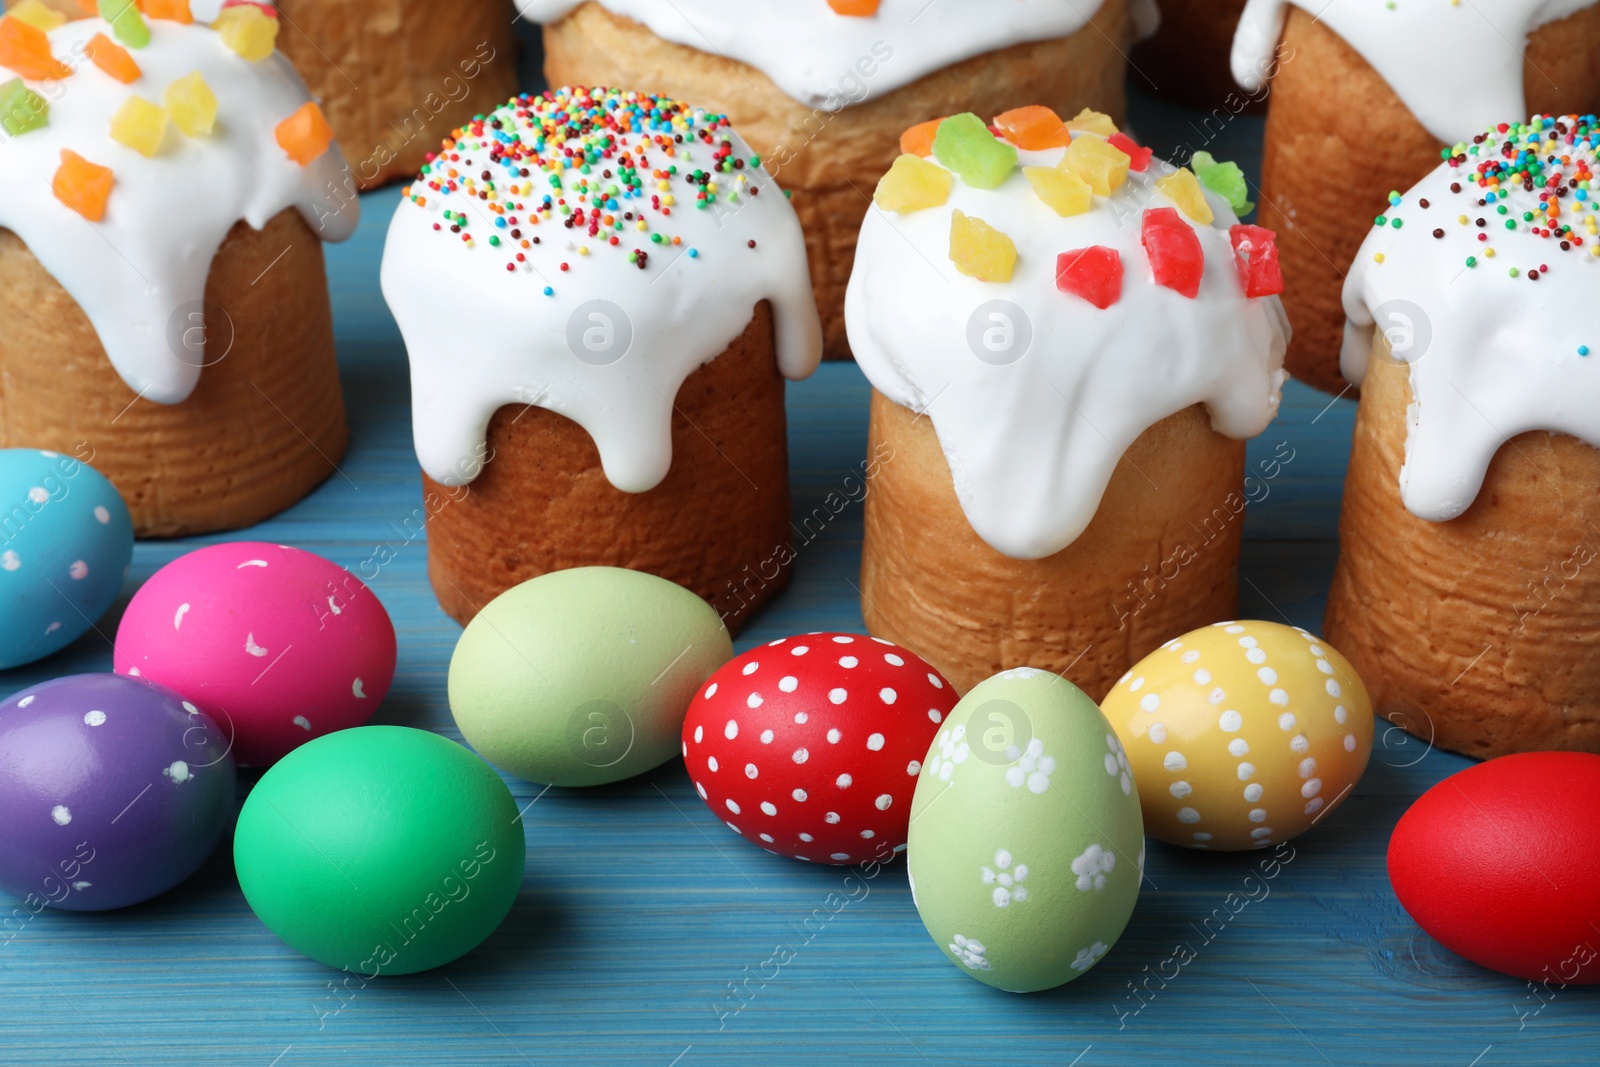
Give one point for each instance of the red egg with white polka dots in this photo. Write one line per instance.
(810, 746)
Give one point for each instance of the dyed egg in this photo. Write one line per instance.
(1501, 864)
(65, 543)
(810, 746)
(278, 645)
(114, 790)
(380, 850)
(581, 677)
(1242, 734)
(1026, 848)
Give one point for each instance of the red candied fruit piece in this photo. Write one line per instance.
(1138, 158)
(1176, 259)
(1256, 250)
(1094, 273)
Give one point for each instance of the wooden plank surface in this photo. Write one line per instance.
(645, 932)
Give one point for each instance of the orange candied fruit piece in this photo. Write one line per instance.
(83, 186)
(112, 58)
(1034, 128)
(171, 10)
(26, 50)
(860, 8)
(305, 135)
(918, 140)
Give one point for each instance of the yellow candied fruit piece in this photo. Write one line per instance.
(193, 105)
(140, 125)
(1104, 166)
(979, 250)
(248, 31)
(1065, 192)
(1087, 121)
(1184, 189)
(912, 184)
(37, 15)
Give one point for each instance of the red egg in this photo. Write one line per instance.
(1501, 864)
(810, 746)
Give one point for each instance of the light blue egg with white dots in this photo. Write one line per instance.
(66, 540)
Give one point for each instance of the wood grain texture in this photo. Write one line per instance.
(640, 909)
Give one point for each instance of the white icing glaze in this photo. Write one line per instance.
(480, 336)
(148, 260)
(1458, 67)
(1032, 444)
(1490, 356)
(811, 53)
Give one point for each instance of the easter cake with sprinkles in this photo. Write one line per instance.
(601, 293)
(1364, 97)
(1069, 341)
(1464, 592)
(166, 191)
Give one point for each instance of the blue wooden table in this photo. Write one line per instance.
(646, 934)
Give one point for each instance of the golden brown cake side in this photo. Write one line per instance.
(1160, 558)
(1482, 634)
(831, 161)
(718, 524)
(264, 426)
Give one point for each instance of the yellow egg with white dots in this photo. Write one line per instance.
(1242, 734)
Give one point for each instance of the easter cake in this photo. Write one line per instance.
(1365, 97)
(166, 314)
(602, 293)
(821, 88)
(1465, 592)
(1068, 347)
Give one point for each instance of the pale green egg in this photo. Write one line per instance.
(583, 677)
(1027, 846)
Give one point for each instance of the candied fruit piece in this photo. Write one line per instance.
(1176, 259)
(1184, 189)
(1100, 163)
(1033, 128)
(37, 15)
(859, 8)
(918, 140)
(305, 135)
(193, 105)
(1063, 190)
(965, 145)
(127, 25)
(26, 50)
(1224, 179)
(912, 184)
(248, 30)
(112, 58)
(82, 186)
(1256, 249)
(170, 10)
(1094, 273)
(140, 125)
(1138, 157)
(979, 250)
(1087, 121)
(21, 109)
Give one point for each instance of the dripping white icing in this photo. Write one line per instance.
(145, 265)
(1490, 356)
(812, 53)
(1457, 67)
(1032, 444)
(480, 336)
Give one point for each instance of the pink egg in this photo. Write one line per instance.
(278, 645)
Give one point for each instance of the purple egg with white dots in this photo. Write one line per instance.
(114, 791)
(65, 543)
(278, 645)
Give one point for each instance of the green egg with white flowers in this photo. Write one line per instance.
(582, 677)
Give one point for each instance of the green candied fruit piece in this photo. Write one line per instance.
(965, 145)
(1224, 179)
(21, 109)
(127, 24)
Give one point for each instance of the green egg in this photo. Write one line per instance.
(380, 850)
(583, 677)
(1027, 846)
